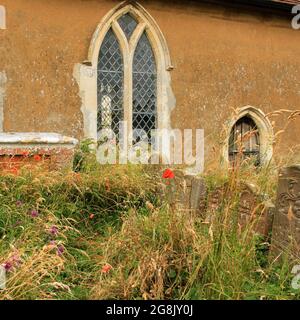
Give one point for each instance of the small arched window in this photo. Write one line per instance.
(244, 141)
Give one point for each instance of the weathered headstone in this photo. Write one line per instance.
(215, 198)
(189, 194)
(286, 226)
(255, 212)
(185, 192)
(252, 210)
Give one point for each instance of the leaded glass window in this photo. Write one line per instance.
(144, 86)
(244, 141)
(127, 24)
(110, 84)
(111, 95)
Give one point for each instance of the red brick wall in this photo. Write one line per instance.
(11, 160)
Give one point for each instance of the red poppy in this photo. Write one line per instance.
(168, 174)
(37, 157)
(14, 171)
(106, 268)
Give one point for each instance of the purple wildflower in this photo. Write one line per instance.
(34, 213)
(7, 266)
(19, 203)
(60, 250)
(54, 230)
(16, 259)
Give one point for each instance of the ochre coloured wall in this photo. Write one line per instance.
(223, 59)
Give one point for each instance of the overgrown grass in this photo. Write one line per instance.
(103, 234)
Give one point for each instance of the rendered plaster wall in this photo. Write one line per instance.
(223, 59)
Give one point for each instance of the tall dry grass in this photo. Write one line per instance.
(115, 238)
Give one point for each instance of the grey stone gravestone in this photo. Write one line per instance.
(286, 226)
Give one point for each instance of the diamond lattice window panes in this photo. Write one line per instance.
(144, 86)
(127, 24)
(110, 78)
(140, 74)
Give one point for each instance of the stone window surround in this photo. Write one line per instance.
(86, 73)
(265, 130)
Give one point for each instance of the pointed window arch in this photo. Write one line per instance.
(244, 141)
(128, 24)
(127, 74)
(249, 134)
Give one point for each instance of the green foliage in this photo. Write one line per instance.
(115, 219)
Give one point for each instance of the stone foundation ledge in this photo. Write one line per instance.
(55, 150)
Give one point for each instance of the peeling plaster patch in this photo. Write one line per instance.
(87, 83)
(3, 80)
(2, 17)
(170, 101)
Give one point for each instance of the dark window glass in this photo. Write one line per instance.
(127, 24)
(144, 87)
(244, 141)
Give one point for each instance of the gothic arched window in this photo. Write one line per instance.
(244, 141)
(131, 66)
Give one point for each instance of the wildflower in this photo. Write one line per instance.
(34, 213)
(168, 174)
(8, 266)
(19, 203)
(54, 230)
(60, 250)
(106, 268)
(37, 158)
(16, 260)
(14, 171)
(92, 216)
(52, 243)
